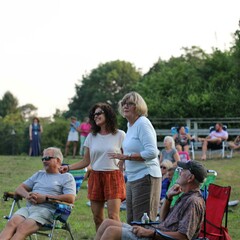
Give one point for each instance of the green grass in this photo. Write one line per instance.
(15, 169)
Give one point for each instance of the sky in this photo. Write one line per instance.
(47, 46)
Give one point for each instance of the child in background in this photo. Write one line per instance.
(184, 156)
(170, 174)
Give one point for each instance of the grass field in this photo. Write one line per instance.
(15, 169)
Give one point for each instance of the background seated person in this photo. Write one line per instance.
(165, 166)
(213, 140)
(182, 139)
(166, 180)
(183, 221)
(234, 144)
(169, 152)
(44, 184)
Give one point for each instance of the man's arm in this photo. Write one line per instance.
(173, 191)
(23, 191)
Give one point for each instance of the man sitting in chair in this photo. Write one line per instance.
(182, 221)
(213, 140)
(37, 190)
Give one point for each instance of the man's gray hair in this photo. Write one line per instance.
(56, 152)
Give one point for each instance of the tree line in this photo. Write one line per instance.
(195, 84)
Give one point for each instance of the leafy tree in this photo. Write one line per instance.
(12, 130)
(27, 110)
(55, 133)
(107, 83)
(8, 104)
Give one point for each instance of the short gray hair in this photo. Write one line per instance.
(141, 106)
(171, 140)
(56, 152)
(167, 163)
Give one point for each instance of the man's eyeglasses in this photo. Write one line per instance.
(47, 158)
(163, 167)
(98, 113)
(128, 104)
(179, 169)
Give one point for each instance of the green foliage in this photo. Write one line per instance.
(107, 83)
(8, 104)
(12, 132)
(55, 133)
(193, 85)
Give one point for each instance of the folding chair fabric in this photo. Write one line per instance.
(216, 206)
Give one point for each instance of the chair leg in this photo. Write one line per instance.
(192, 151)
(69, 230)
(53, 228)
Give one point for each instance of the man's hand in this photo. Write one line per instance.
(36, 198)
(116, 156)
(142, 232)
(64, 169)
(174, 190)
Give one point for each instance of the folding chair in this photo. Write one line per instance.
(62, 212)
(216, 207)
(174, 130)
(221, 147)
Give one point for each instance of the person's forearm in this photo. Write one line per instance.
(135, 157)
(68, 198)
(165, 209)
(21, 191)
(79, 165)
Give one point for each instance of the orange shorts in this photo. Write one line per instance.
(106, 185)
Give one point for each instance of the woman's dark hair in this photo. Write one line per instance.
(178, 129)
(110, 115)
(35, 118)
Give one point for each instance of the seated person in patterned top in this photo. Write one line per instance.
(182, 221)
(182, 139)
(41, 186)
(213, 140)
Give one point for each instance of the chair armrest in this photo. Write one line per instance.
(13, 195)
(142, 224)
(163, 235)
(55, 201)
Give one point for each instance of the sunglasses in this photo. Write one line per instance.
(163, 167)
(98, 113)
(47, 158)
(128, 104)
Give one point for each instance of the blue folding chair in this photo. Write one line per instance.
(62, 212)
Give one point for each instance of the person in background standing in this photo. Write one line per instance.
(73, 136)
(35, 131)
(84, 129)
(140, 157)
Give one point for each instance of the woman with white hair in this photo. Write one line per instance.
(169, 152)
